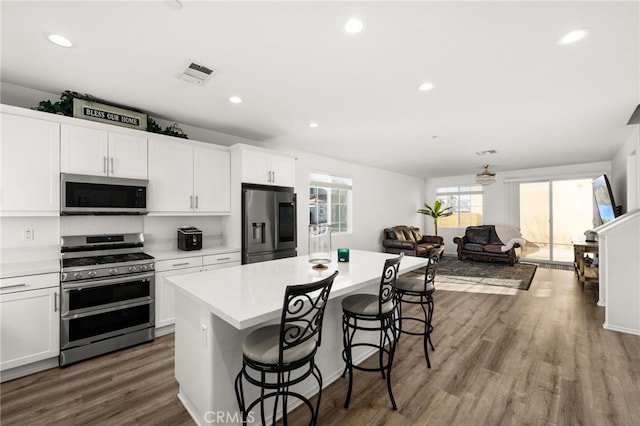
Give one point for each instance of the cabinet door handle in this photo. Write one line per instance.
(196, 201)
(111, 165)
(104, 165)
(55, 302)
(181, 264)
(274, 176)
(190, 201)
(13, 286)
(222, 258)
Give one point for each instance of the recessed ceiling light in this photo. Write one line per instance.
(353, 26)
(313, 124)
(235, 100)
(173, 4)
(59, 40)
(573, 36)
(425, 87)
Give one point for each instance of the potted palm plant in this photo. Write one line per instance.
(436, 212)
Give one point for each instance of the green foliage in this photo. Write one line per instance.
(65, 107)
(62, 107)
(172, 130)
(436, 212)
(152, 126)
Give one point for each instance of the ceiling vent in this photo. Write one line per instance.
(197, 74)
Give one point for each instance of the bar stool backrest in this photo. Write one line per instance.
(432, 266)
(302, 313)
(388, 283)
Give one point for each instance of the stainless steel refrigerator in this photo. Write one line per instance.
(268, 223)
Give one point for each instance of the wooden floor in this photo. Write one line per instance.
(538, 357)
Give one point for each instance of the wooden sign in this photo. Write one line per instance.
(108, 114)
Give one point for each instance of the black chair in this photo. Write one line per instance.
(420, 292)
(378, 313)
(272, 353)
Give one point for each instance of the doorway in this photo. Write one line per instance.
(552, 213)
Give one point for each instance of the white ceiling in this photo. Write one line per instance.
(501, 80)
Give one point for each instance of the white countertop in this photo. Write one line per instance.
(34, 267)
(251, 294)
(174, 253)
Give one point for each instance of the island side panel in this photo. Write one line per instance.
(192, 368)
(208, 356)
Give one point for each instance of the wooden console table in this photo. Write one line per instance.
(585, 273)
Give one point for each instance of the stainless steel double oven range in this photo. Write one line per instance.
(107, 295)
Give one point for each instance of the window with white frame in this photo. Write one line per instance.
(330, 201)
(465, 203)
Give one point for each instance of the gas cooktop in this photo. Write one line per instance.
(105, 259)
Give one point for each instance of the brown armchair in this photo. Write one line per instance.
(409, 240)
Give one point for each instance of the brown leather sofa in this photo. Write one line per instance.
(409, 240)
(482, 243)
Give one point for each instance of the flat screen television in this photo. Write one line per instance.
(604, 199)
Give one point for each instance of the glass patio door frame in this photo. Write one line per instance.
(513, 195)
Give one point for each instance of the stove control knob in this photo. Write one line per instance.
(143, 267)
(92, 274)
(113, 271)
(77, 275)
(132, 269)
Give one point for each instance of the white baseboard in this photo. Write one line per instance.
(621, 329)
(25, 370)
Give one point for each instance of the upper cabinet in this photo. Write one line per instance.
(265, 168)
(211, 179)
(29, 166)
(88, 151)
(188, 177)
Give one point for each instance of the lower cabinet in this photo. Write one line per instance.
(165, 294)
(30, 319)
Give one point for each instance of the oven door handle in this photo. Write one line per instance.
(100, 283)
(118, 307)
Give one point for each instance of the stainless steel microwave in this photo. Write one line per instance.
(83, 194)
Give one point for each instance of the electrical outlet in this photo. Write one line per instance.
(29, 235)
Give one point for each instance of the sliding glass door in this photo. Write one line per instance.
(551, 214)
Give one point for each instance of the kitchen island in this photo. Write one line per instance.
(216, 309)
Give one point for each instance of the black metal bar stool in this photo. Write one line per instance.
(417, 292)
(272, 353)
(378, 313)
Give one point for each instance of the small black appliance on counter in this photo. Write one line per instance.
(189, 238)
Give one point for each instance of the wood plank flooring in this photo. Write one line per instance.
(538, 357)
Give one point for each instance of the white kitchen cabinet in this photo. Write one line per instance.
(89, 151)
(265, 168)
(30, 319)
(188, 178)
(211, 179)
(165, 294)
(30, 166)
(221, 260)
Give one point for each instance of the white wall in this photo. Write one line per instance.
(500, 199)
(44, 246)
(11, 94)
(380, 199)
(161, 231)
(625, 172)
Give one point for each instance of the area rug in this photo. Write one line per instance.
(470, 272)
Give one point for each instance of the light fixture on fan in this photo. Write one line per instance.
(486, 177)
